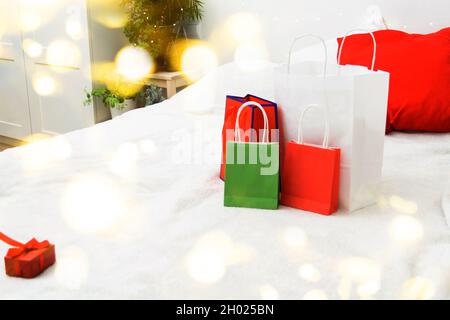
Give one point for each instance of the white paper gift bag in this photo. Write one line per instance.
(356, 100)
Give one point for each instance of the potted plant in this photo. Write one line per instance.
(116, 103)
(156, 24)
(149, 95)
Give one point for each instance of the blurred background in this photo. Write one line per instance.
(69, 64)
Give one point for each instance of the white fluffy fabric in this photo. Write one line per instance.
(446, 203)
(131, 219)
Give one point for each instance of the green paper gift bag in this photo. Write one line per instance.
(252, 169)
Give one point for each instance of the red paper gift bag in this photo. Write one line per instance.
(310, 176)
(250, 118)
(28, 260)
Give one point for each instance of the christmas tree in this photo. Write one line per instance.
(154, 24)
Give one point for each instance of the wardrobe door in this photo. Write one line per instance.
(14, 111)
(58, 77)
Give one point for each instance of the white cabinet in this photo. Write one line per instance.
(46, 52)
(14, 109)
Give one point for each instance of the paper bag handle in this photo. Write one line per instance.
(374, 45)
(325, 50)
(326, 134)
(237, 130)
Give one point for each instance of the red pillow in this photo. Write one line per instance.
(419, 67)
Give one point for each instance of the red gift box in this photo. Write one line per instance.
(250, 118)
(28, 260)
(310, 176)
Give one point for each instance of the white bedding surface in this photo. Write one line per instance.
(128, 222)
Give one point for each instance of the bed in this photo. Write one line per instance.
(135, 214)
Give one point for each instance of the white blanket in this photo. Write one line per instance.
(133, 216)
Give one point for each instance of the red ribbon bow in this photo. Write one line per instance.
(20, 248)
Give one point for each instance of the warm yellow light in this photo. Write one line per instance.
(315, 294)
(268, 292)
(93, 204)
(63, 53)
(134, 63)
(382, 202)
(309, 273)
(44, 85)
(360, 270)
(40, 151)
(207, 262)
(32, 48)
(344, 289)
(35, 156)
(30, 21)
(36, 137)
(206, 267)
(108, 13)
(368, 288)
(406, 229)
(107, 74)
(197, 60)
(72, 269)
(2, 29)
(418, 288)
(295, 237)
(243, 27)
(403, 205)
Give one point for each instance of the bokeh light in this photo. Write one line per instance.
(35, 155)
(243, 27)
(197, 60)
(360, 270)
(74, 29)
(418, 288)
(368, 289)
(382, 202)
(72, 268)
(344, 288)
(44, 84)
(30, 21)
(268, 292)
(309, 273)
(40, 151)
(107, 74)
(32, 48)
(63, 53)
(206, 266)
(208, 260)
(108, 13)
(134, 63)
(93, 203)
(406, 229)
(403, 205)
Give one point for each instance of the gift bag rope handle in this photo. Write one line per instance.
(237, 130)
(326, 135)
(374, 45)
(325, 50)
